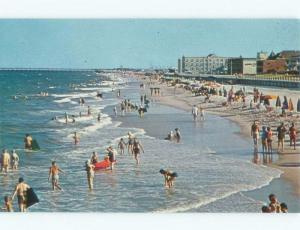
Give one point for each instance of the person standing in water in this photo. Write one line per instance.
(255, 133)
(76, 138)
(94, 158)
(90, 170)
(130, 142)
(20, 191)
(66, 118)
(137, 147)
(202, 114)
(281, 135)
(115, 111)
(99, 117)
(89, 112)
(14, 160)
(121, 146)
(5, 161)
(112, 157)
(195, 112)
(177, 135)
(53, 174)
(293, 135)
(28, 141)
(8, 206)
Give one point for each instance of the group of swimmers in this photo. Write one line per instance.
(174, 135)
(274, 206)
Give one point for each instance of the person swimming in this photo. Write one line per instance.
(28, 141)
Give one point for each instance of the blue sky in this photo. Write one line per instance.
(137, 43)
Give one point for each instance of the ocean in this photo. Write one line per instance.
(213, 163)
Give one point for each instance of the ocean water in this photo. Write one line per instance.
(212, 162)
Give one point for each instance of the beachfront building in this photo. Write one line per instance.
(210, 64)
(242, 66)
(271, 66)
(282, 62)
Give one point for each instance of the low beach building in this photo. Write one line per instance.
(242, 66)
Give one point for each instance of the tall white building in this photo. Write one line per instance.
(210, 64)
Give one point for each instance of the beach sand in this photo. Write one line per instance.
(288, 161)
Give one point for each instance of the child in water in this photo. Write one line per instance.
(8, 207)
(169, 177)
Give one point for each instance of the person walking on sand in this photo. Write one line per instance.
(195, 112)
(20, 192)
(281, 130)
(255, 133)
(14, 160)
(137, 147)
(76, 138)
(5, 161)
(28, 141)
(121, 146)
(90, 170)
(293, 135)
(53, 174)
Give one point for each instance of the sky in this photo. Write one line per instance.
(137, 43)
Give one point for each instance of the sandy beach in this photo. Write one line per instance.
(288, 161)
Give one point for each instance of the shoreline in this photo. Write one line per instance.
(181, 99)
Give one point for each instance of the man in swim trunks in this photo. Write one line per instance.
(280, 135)
(28, 141)
(5, 161)
(20, 191)
(90, 173)
(112, 156)
(293, 135)
(53, 174)
(255, 133)
(137, 147)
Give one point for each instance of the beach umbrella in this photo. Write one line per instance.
(278, 102)
(298, 105)
(291, 106)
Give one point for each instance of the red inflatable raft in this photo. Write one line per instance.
(102, 164)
